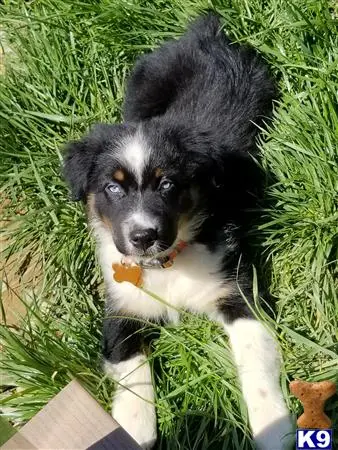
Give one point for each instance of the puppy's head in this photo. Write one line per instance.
(145, 184)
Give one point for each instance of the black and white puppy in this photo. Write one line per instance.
(179, 173)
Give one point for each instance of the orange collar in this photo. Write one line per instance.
(132, 272)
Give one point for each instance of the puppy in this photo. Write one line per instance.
(168, 193)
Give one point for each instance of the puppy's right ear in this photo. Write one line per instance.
(81, 156)
(77, 166)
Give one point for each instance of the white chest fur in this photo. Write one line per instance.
(193, 283)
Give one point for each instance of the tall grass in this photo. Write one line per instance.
(65, 70)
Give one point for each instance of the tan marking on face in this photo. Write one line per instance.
(92, 212)
(119, 175)
(106, 221)
(91, 204)
(158, 172)
(182, 221)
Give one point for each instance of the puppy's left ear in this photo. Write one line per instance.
(81, 157)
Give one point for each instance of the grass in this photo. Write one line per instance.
(66, 70)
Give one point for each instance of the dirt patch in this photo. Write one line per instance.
(20, 274)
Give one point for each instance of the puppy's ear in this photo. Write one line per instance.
(81, 157)
(77, 165)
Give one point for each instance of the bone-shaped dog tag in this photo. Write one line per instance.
(131, 274)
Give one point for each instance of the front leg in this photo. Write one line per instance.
(258, 364)
(133, 403)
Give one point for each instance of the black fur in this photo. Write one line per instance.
(122, 338)
(204, 83)
(198, 101)
(82, 158)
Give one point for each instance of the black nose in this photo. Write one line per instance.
(143, 239)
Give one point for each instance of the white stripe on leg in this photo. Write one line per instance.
(133, 403)
(258, 365)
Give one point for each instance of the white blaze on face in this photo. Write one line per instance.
(140, 220)
(135, 155)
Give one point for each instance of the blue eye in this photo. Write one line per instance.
(114, 188)
(166, 185)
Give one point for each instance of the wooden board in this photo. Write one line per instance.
(72, 420)
(18, 442)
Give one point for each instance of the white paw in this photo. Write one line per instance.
(276, 435)
(133, 404)
(137, 417)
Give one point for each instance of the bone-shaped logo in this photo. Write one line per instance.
(313, 397)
